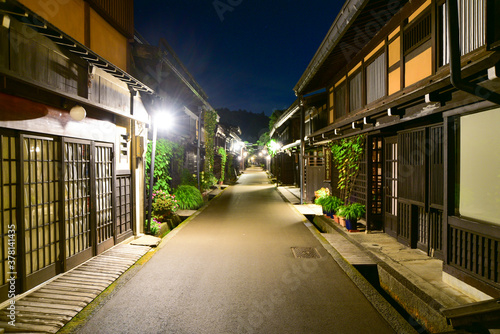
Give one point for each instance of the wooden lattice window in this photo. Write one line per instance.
(8, 203)
(358, 194)
(340, 101)
(417, 33)
(41, 159)
(123, 204)
(77, 197)
(376, 77)
(356, 92)
(104, 192)
(376, 191)
(474, 253)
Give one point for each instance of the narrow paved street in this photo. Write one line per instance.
(231, 270)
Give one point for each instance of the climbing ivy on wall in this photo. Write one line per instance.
(347, 154)
(223, 159)
(168, 160)
(210, 123)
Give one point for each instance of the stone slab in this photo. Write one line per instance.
(185, 213)
(309, 209)
(146, 240)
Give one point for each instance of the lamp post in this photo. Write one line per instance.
(151, 175)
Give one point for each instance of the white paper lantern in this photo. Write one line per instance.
(78, 113)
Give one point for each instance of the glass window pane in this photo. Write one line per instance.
(479, 196)
(355, 92)
(376, 74)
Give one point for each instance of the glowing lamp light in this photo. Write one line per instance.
(164, 120)
(78, 113)
(238, 145)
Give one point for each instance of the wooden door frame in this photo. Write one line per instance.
(110, 242)
(35, 278)
(74, 260)
(390, 140)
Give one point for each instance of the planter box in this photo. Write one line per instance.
(352, 224)
(163, 229)
(336, 219)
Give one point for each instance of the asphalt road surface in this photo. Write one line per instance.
(231, 270)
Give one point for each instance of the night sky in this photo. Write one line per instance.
(248, 55)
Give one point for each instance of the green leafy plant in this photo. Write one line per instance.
(330, 203)
(164, 205)
(207, 181)
(273, 147)
(347, 155)
(154, 227)
(322, 192)
(352, 211)
(188, 197)
(188, 179)
(274, 118)
(210, 124)
(231, 173)
(169, 158)
(223, 158)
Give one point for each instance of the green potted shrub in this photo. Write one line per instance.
(320, 196)
(352, 213)
(330, 205)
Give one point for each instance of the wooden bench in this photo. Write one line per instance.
(485, 313)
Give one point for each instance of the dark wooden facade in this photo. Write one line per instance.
(395, 87)
(68, 187)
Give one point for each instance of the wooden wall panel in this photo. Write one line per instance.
(66, 15)
(418, 67)
(394, 81)
(107, 41)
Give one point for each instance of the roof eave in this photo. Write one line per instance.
(343, 21)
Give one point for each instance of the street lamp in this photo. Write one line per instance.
(165, 121)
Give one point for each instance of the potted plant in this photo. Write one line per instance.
(320, 196)
(352, 213)
(330, 205)
(339, 218)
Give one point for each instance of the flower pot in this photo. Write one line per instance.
(351, 224)
(336, 219)
(342, 221)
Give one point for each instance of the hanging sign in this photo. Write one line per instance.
(328, 163)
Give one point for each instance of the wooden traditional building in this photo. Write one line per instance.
(178, 94)
(287, 131)
(72, 135)
(228, 138)
(421, 80)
